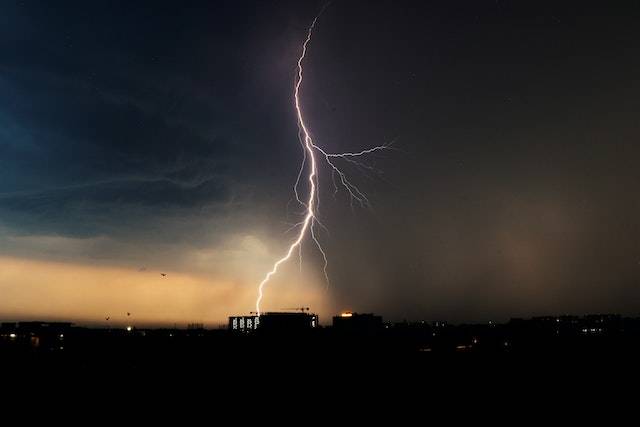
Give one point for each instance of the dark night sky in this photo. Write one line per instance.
(138, 137)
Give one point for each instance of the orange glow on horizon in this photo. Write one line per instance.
(45, 290)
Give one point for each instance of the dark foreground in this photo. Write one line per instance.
(64, 346)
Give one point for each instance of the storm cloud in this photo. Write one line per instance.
(162, 136)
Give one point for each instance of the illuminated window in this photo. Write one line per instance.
(235, 323)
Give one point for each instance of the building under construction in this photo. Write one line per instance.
(244, 324)
(275, 322)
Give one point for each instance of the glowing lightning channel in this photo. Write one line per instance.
(311, 204)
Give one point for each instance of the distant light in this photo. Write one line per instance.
(346, 314)
(129, 328)
(12, 335)
(61, 336)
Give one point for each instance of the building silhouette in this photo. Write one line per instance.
(244, 324)
(357, 323)
(274, 322)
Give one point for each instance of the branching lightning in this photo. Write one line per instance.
(310, 163)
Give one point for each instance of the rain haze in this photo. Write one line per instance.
(147, 138)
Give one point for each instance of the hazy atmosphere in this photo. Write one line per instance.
(147, 138)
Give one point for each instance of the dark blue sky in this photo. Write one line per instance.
(143, 133)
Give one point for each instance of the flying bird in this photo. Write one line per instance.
(163, 274)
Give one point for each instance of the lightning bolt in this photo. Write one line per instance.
(310, 151)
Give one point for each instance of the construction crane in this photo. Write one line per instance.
(301, 309)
